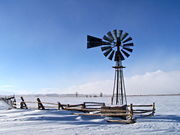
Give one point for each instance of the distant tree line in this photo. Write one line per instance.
(78, 95)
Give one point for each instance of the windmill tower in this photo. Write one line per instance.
(116, 45)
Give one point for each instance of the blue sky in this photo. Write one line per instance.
(43, 42)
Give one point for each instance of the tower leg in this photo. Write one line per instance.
(119, 94)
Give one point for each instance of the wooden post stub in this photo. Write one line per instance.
(153, 110)
(23, 104)
(60, 106)
(83, 106)
(14, 103)
(40, 105)
(131, 111)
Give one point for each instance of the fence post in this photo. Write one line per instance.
(83, 106)
(14, 103)
(131, 111)
(153, 110)
(40, 105)
(60, 106)
(23, 104)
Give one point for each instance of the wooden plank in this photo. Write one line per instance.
(42, 102)
(50, 106)
(75, 105)
(96, 109)
(49, 103)
(113, 111)
(80, 109)
(94, 105)
(141, 105)
(93, 108)
(124, 107)
(122, 121)
(151, 114)
(64, 104)
(31, 102)
(103, 114)
(142, 110)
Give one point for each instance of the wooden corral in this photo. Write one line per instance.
(127, 113)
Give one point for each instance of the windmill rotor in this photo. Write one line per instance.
(116, 45)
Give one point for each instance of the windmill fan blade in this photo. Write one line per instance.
(105, 48)
(125, 53)
(105, 43)
(111, 55)
(115, 34)
(119, 34)
(128, 44)
(128, 39)
(118, 56)
(107, 52)
(91, 38)
(93, 41)
(124, 36)
(121, 56)
(93, 44)
(128, 49)
(107, 39)
(110, 35)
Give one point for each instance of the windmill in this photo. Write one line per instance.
(116, 45)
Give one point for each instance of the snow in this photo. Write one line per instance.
(53, 122)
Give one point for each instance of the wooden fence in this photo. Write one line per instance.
(96, 109)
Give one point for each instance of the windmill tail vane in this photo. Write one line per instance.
(116, 45)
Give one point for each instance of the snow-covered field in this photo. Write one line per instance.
(53, 122)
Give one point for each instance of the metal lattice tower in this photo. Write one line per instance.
(119, 93)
